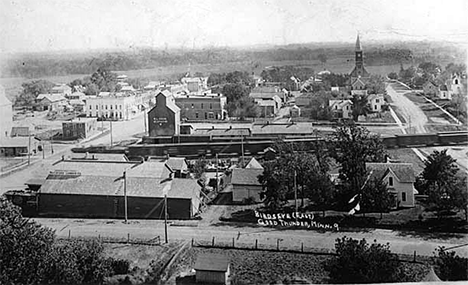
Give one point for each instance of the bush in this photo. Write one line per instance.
(449, 266)
(120, 266)
(359, 262)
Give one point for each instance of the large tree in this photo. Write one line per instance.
(104, 79)
(359, 262)
(352, 146)
(439, 180)
(376, 197)
(360, 106)
(30, 91)
(274, 189)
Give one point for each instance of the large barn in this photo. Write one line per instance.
(95, 189)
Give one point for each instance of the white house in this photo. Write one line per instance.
(376, 101)
(342, 108)
(399, 178)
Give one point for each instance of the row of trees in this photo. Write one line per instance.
(357, 261)
(30, 254)
(351, 147)
(102, 80)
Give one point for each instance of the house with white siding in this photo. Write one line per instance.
(399, 178)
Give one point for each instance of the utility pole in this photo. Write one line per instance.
(165, 218)
(217, 173)
(242, 149)
(295, 193)
(29, 147)
(43, 149)
(144, 119)
(125, 196)
(111, 142)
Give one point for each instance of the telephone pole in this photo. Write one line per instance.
(165, 218)
(217, 173)
(111, 142)
(125, 196)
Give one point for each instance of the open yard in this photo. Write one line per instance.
(265, 267)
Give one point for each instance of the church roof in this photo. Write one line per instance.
(358, 44)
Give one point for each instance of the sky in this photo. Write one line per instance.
(53, 25)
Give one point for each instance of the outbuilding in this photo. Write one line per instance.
(212, 268)
(245, 184)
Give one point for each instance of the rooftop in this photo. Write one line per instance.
(212, 262)
(246, 176)
(403, 171)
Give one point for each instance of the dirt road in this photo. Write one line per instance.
(413, 115)
(405, 243)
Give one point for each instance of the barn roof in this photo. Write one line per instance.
(212, 262)
(246, 176)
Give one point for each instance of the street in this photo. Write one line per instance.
(414, 116)
(400, 242)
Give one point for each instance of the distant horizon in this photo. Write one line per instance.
(260, 46)
(30, 26)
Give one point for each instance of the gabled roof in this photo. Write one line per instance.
(51, 97)
(223, 132)
(169, 102)
(339, 103)
(403, 171)
(14, 142)
(443, 87)
(246, 176)
(177, 163)
(212, 262)
(374, 96)
(254, 164)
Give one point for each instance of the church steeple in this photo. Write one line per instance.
(359, 70)
(358, 44)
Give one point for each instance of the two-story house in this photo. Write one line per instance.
(341, 108)
(399, 178)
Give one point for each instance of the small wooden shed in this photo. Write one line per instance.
(212, 268)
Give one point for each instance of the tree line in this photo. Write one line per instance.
(40, 65)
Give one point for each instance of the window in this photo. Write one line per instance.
(116, 107)
(120, 107)
(90, 107)
(106, 107)
(390, 181)
(111, 107)
(192, 106)
(375, 107)
(202, 105)
(403, 196)
(97, 107)
(206, 115)
(211, 106)
(211, 115)
(196, 114)
(456, 81)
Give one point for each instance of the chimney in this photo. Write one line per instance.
(230, 127)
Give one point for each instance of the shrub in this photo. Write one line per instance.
(449, 266)
(359, 262)
(120, 266)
